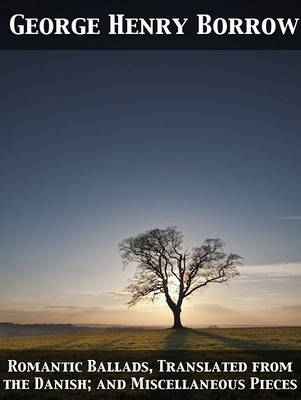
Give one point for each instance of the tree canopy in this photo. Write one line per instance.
(165, 268)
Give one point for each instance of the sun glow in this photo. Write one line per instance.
(173, 287)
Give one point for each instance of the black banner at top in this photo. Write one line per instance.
(150, 25)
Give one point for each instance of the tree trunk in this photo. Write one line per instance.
(177, 319)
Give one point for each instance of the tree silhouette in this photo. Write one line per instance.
(164, 268)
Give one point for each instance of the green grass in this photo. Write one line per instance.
(196, 339)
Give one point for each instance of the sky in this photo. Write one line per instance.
(99, 146)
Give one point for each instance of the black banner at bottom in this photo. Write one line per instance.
(108, 374)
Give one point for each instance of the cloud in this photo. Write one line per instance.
(275, 272)
(291, 308)
(113, 294)
(49, 308)
(116, 294)
(291, 218)
(86, 294)
(78, 314)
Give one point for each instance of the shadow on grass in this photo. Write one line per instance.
(236, 343)
(179, 340)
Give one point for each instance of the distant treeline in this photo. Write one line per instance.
(8, 329)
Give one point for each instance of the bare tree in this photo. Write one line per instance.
(164, 268)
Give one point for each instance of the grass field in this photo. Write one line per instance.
(198, 339)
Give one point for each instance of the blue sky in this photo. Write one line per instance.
(97, 146)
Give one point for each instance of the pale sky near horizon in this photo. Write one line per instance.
(99, 146)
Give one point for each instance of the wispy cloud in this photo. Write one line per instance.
(294, 308)
(116, 294)
(45, 308)
(74, 314)
(281, 272)
(291, 218)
